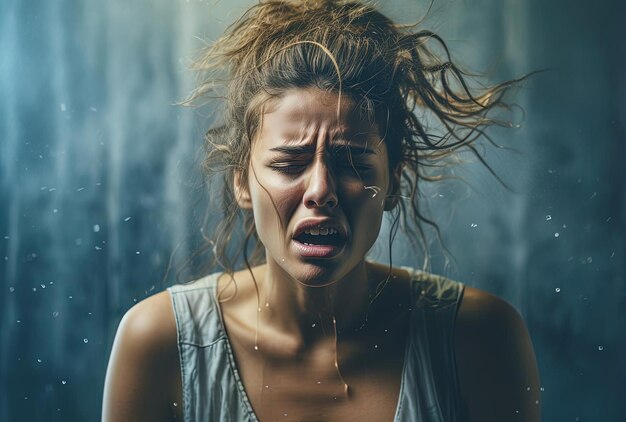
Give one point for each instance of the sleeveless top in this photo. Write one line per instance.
(213, 390)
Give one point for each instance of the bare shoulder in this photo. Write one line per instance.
(143, 375)
(497, 369)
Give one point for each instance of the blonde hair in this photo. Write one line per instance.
(392, 71)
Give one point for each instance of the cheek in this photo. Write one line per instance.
(272, 205)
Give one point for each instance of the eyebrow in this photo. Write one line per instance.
(309, 149)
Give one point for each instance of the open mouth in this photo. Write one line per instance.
(320, 237)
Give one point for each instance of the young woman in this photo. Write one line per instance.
(335, 115)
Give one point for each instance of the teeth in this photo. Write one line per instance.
(320, 231)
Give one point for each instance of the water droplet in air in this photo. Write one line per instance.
(138, 253)
(556, 234)
(548, 217)
(542, 389)
(313, 325)
(527, 388)
(39, 360)
(34, 289)
(267, 386)
(85, 341)
(558, 289)
(376, 346)
(55, 314)
(319, 382)
(11, 289)
(43, 286)
(127, 219)
(536, 401)
(600, 348)
(96, 228)
(55, 211)
(473, 225)
(256, 347)
(175, 404)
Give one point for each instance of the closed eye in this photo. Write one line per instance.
(290, 169)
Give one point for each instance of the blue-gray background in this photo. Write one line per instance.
(99, 184)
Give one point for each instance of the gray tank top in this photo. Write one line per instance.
(213, 390)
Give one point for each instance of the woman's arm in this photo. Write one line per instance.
(497, 370)
(143, 377)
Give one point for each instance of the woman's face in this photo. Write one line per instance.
(317, 185)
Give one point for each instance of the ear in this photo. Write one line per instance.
(392, 198)
(242, 192)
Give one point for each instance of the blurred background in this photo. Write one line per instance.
(100, 185)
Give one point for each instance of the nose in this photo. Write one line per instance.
(321, 190)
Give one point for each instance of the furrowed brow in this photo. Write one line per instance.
(295, 149)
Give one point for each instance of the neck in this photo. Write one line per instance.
(313, 313)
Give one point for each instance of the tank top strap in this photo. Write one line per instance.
(430, 391)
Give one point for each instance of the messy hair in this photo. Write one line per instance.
(423, 103)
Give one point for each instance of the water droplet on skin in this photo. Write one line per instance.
(558, 289)
(548, 217)
(258, 309)
(600, 348)
(85, 341)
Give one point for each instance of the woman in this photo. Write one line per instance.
(334, 115)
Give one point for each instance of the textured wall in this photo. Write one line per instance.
(99, 185)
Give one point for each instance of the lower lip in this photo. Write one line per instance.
(316, 251)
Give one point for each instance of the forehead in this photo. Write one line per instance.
(306, 116)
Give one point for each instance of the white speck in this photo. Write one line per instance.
(600, 348)
(6, 238)
(78, 241)
(19, 321)
(175, 404)
(63, 107)
(96, 228)
(556, 234)
(98, 248)
(127, 218)
(137, 252)
(70, 297)
(39, 360)
(80, 189)
(376, 346)
(34, 289)
(43, 286)
(558, 289)
(267, 386)
(284, 414)
(564, 226)
(52, 189)
(95, 110)
(608, 219)
(589, 260)
(55, 314)
(536, 401)
(85, 341)
(594, 195)
(548, 217)
(473, 225)
(313, 325)
(256, 347)
(319, 382)
(542, 389)
(527, 388)
(55, 211)
(51, 283)
(612, 255)
(11, 289)
(63, 382)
